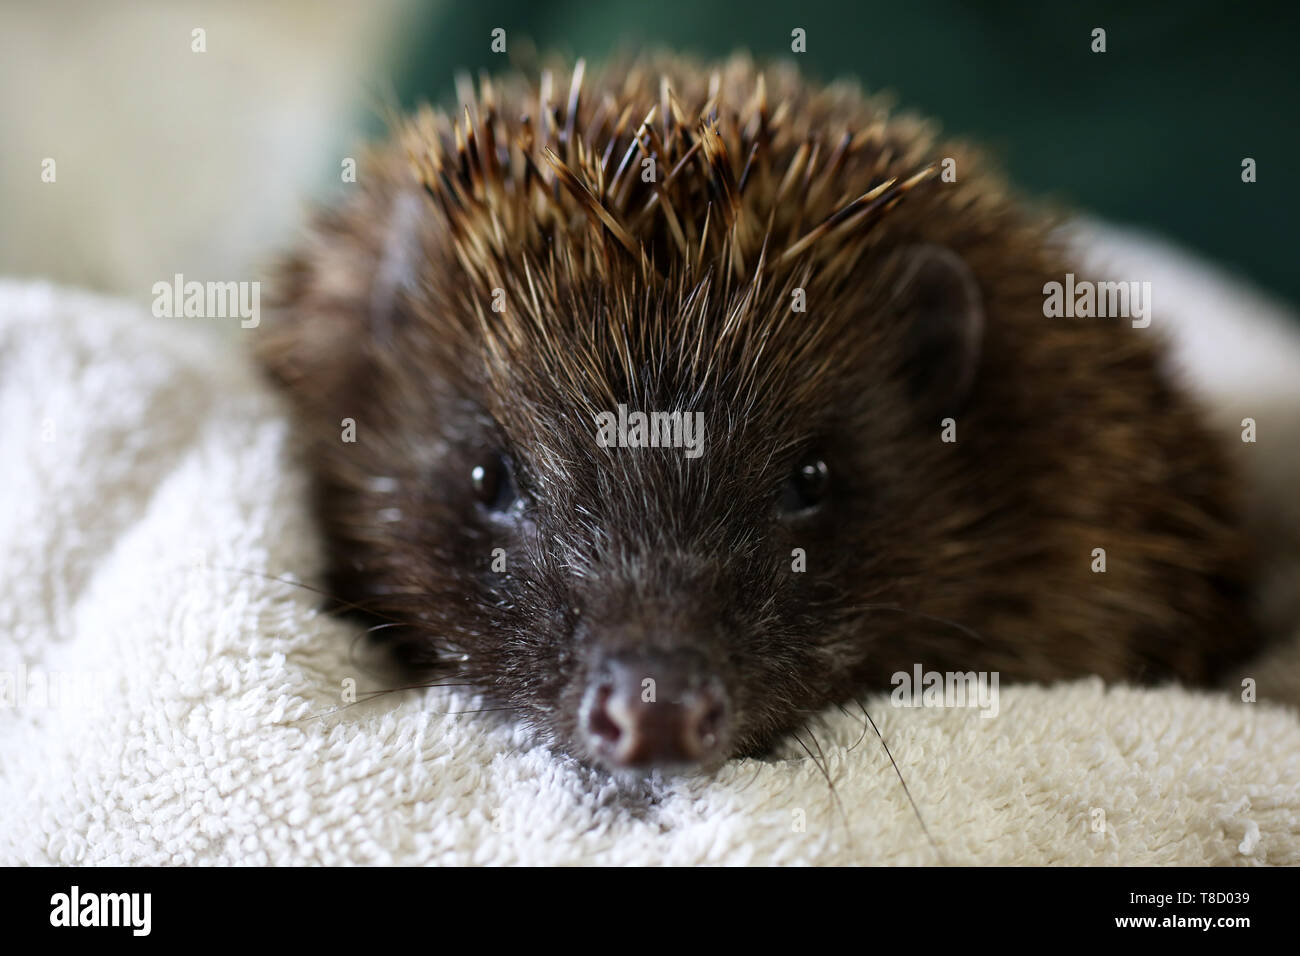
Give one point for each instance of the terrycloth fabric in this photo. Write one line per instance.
(146, 486)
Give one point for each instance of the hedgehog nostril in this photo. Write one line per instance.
(707, 727)
(599, 723)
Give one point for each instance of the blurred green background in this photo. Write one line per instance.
(1151, 133)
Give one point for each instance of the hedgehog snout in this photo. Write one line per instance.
(654, 710)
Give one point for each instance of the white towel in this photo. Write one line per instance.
(163, 703)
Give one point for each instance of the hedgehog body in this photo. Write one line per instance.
(785, 260)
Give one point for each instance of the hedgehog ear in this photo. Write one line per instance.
(943, 320)
(340, 298)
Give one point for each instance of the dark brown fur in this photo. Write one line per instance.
(676, 295)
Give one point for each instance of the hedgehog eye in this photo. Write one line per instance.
(806, 488)
(493, 484)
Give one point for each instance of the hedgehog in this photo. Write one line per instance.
(900, 459)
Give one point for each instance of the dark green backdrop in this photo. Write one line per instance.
(1150, 133)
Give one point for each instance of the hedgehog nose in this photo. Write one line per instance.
(645, 712)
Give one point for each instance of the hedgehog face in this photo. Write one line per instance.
(650, 609)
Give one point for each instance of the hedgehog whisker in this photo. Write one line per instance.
(863, 736)
(328, 595)
(824, 767)
(370, 695)
(915, 809)
(956, 625)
